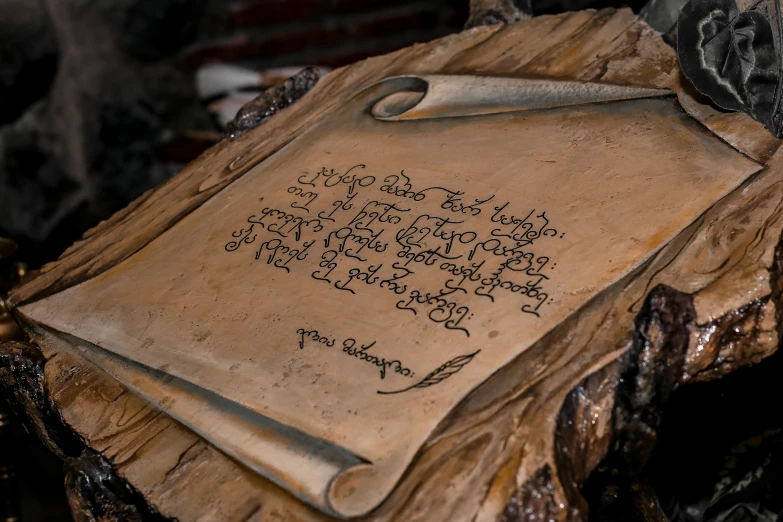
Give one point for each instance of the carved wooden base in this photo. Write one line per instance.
(638, 384)
(589, 396)
(95, 492)
(23, 383)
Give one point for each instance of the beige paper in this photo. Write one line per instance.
(350, 290)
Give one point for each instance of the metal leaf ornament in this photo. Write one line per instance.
(733, 56)
(439, 374)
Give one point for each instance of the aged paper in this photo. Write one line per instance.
(341, 298)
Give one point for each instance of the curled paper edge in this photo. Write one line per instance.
(452, 96)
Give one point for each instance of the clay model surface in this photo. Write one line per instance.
(445, 284)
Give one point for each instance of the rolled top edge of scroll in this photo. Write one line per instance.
(394, 106)
(447, 96)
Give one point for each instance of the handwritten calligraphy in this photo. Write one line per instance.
(363, 232)
(359, 351)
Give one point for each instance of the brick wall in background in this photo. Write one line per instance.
(273, 33)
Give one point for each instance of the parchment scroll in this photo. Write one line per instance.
(320, 316)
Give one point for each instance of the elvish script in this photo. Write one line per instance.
(355, 286)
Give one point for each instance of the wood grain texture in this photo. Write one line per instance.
(521, 445)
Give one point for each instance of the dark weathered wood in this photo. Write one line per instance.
(267, 104)
(590, 392)
(24, 384)
(95, 491)
(95, 494)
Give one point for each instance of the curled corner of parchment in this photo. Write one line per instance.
(312, 470)
(358, 490)
(450, 96)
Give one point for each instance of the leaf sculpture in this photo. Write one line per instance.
(440, 373)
